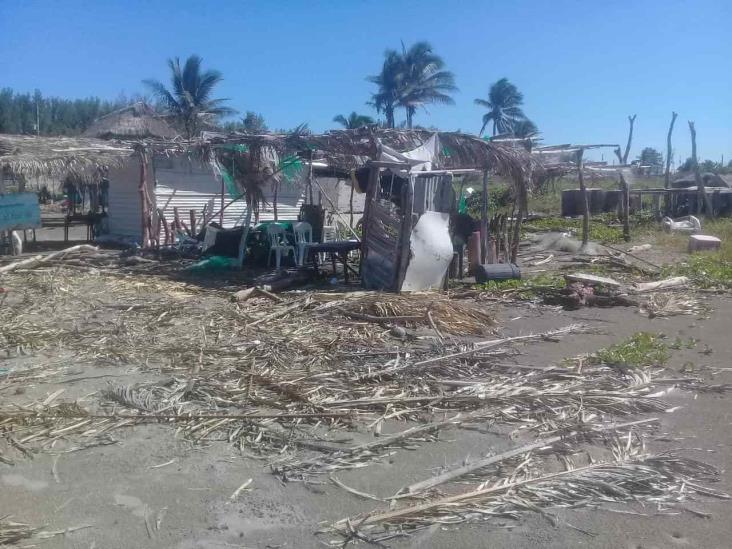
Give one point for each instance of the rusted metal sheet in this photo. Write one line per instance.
(379, 270)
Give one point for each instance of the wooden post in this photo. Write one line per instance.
(310, 178)
(145, 219)
(275, 192)
(350, 203)
(701, 192)
(625, 207)
(523, 200)
(484, 219)
(585, 199)
(192, 217)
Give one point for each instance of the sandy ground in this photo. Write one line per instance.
(129, 502)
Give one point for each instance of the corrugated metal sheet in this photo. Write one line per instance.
(381, 262)
(125, 209)
(190, 185)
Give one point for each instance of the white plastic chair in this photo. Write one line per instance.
(688, 224)
(303, 239)
(278, 244)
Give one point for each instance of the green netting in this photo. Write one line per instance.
(237, 147)
(230, 183)
(290, 167)
(463, 204)
(446, 151)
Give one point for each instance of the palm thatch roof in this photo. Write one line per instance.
(348, 149)
(136, 121)
(59, 156)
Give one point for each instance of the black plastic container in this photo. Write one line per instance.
(496, 271)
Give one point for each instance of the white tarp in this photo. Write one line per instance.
(419, 159)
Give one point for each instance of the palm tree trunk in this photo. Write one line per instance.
(389, 116)
(494, 127)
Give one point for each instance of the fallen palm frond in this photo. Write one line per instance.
(631, 477)
(669, 304)
(448, 315)
(139, 399)
(13, 532)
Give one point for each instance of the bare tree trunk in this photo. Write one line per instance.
(667, 176)
(585, 199)
(667, 181)
(619, 154)
(701, 192)
(631, 120)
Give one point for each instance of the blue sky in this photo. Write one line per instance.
(583, 66)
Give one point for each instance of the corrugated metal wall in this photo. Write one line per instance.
(125, 209)
(189, 185)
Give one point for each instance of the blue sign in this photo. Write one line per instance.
(19, 211)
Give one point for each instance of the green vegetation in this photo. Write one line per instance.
(705, 270)
(641, 349)
(353, 120)
(600, 230)
(526, 288)
(19, 112)
(650, 157)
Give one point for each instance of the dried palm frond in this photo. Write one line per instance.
(632, 477)
(670, 304)
(138, 398)
(13, 532)
(421, 309)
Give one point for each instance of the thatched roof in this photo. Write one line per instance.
(347, 149)
(59, 156)
(136, 121)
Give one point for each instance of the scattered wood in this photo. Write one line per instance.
(243, 295)
(592, 280)
(41, 259)
(673, 282)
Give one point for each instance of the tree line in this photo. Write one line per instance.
(32, 113)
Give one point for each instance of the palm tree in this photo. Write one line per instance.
(425, 80)
(504, 107)
(189, 98)
(353, 121)
(410, 79)
(389, 81)
(524, 129)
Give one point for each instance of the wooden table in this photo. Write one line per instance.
(338, 249)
